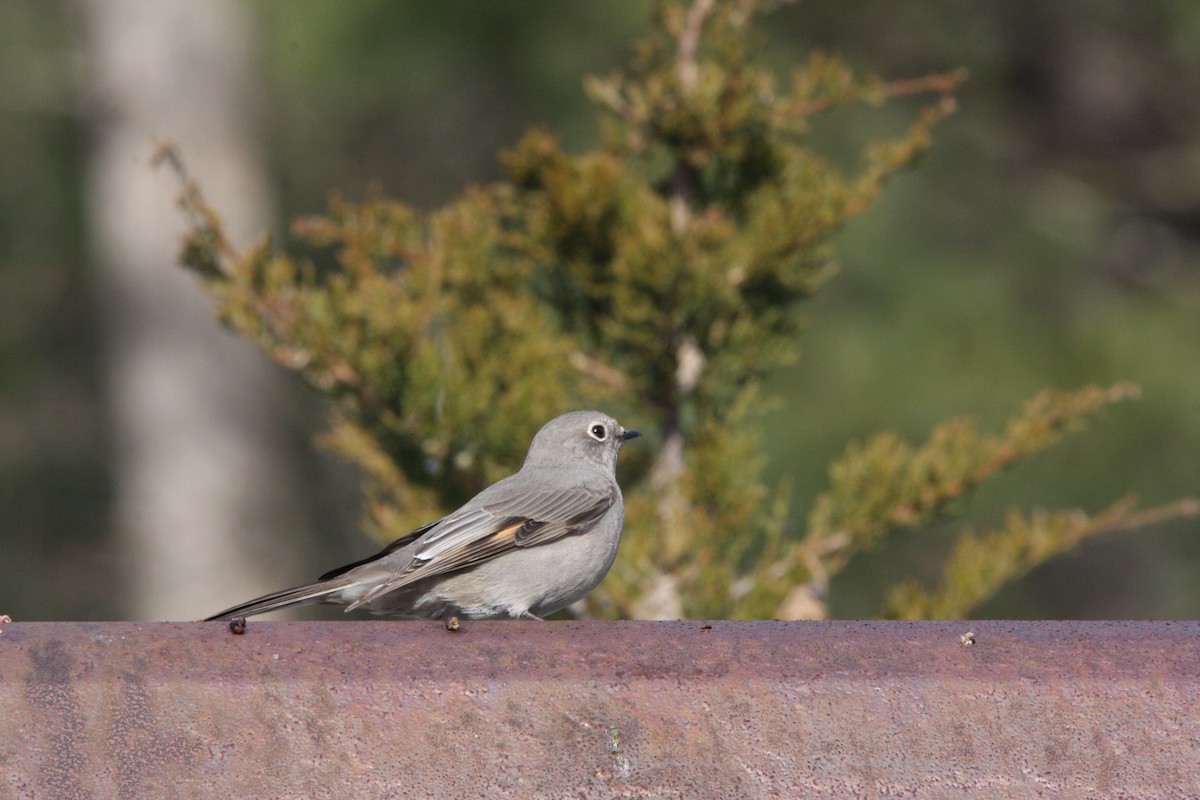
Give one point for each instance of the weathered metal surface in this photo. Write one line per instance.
(562, 709)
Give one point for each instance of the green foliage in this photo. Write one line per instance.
(981, 565)
(657, 277)
(886, 485)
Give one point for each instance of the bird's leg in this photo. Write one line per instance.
(532, 616)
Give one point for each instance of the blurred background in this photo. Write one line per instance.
(152, 466)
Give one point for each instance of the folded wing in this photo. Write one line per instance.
(471, 536)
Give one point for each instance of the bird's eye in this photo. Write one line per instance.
(598, 432)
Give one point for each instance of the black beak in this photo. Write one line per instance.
(627, 435)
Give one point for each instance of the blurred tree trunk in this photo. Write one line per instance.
(204, 507)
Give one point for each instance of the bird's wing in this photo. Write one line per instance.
(395, 545)
(481, 532)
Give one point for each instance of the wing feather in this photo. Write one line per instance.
(473, 535)
(403, 541)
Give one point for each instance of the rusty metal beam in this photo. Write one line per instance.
(629, 709)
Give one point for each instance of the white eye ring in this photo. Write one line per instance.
(598, 432)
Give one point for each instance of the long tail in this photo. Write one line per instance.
(296, 596)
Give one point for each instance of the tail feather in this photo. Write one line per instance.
(296, 596)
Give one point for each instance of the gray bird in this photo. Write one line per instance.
(526, 546)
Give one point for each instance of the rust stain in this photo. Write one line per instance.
(148, 754)
(524, 709)
(58, 767)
